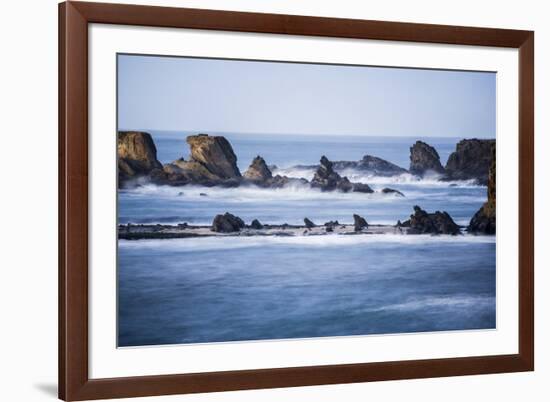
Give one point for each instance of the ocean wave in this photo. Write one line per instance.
(236, 242)
(449, 302)
(356, 175)
(251, 193)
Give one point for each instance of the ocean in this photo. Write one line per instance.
(252, 288)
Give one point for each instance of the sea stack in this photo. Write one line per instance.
(258, 171)
(215, 154)
(471, 160)
(424, 159)
(484, 220)
(137, 155)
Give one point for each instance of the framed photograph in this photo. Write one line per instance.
(259, 200)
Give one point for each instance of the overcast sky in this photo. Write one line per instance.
(209, 95)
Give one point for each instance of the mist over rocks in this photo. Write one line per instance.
(471, 160)
(424, 159)
(137, 155)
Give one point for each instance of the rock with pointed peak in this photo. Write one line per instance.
(424, 159)
(258, 171)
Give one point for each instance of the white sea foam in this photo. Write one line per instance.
(456, 302)
(355, 175)
(234, 242)
(251, 193)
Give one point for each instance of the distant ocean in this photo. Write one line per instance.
(229, 289)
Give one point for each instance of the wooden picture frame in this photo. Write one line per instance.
(74, 381)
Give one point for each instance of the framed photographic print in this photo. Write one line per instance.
(259, 200)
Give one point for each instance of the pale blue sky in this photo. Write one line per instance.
(211, 95)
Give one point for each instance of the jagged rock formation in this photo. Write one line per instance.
(359, 223)
(424, 159)
(227, 223)
(484, 220)
(215, 154)
(212, 162)
(258, 170)
(471, 160)
(327, 179)
(422, 222)
(369, 164)
(137, 155)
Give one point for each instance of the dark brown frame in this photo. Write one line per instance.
(74, 382)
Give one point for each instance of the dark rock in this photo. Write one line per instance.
(309, 224)
(329, 229)
(379, 167)
(362, 188)
(258, 171)
(471, 160)
(424, 159)
(387, 190)
(203, 195)
(422, 222)
(484, 220)
(215, 154)
(256, 224)
(227, 223)
(359, 223)
(327, 179)
(137, 155)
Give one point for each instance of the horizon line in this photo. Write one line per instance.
(183, 131)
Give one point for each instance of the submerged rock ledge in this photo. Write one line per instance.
(228, 224)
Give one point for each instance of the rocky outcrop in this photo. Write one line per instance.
(255, 224)
(258, 171)
(424, 159)
(212, 162)
(371, 165)
(137, 155)
(471, 160)
(484, 220)
(227, 223)
(387, 190)
(422, 222)
(359, 223)
(309, 224)
(327, 179)
(215, 154)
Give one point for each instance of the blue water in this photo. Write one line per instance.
(214, 289)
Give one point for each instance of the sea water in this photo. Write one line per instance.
(252, 288)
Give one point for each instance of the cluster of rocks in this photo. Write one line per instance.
(214, 163)
(422, 222)
(471, 160)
